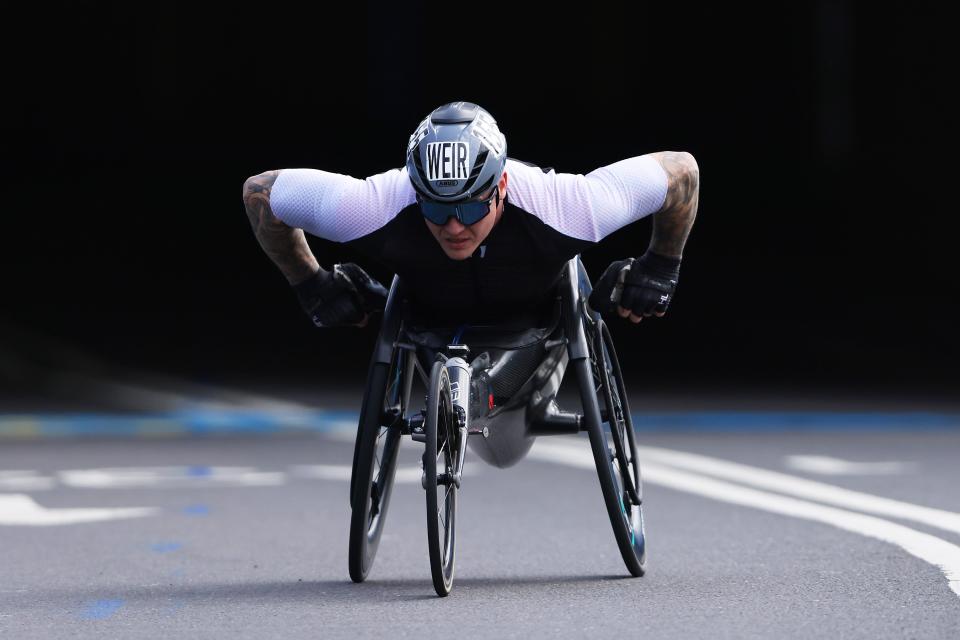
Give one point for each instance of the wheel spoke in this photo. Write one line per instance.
(442, 506)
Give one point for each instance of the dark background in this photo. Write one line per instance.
(822, 256)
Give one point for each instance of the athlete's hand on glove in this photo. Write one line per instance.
(636, 288)
(344, 296)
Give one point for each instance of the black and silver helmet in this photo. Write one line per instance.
(457, 153)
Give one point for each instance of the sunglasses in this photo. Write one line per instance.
(467, 213)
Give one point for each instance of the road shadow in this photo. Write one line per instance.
(327, 591)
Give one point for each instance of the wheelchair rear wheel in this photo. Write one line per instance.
(617, 468)
(386, 400)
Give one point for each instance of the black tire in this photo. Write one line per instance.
(440, 459)
(375, 458)
(626, 518)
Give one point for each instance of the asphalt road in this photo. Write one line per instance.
(247, 537)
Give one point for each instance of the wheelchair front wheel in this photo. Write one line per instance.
(439, 466)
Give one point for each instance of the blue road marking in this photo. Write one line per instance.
(196, 510)
(101, 609)
(165, 547)
(199, 471)
(210, 422)
(194, 422)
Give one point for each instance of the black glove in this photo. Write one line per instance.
(341, 297)
(643, 286)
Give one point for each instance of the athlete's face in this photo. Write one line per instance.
(458, 240)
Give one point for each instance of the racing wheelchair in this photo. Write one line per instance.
(499, 400)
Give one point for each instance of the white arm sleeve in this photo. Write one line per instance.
(593, 206)
(337, 207)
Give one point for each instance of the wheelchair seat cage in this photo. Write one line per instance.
(461, 379)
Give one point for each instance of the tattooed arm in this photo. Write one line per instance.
(672, 223)
(286, 246)
(636, 288)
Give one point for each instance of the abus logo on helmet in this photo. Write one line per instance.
(447, 161)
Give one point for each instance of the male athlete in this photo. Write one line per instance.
(477, 237)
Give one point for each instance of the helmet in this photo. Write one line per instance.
(457, 153)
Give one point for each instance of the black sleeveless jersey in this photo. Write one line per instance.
(507, 280)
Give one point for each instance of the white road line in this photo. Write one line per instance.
(928, 548)
(171, 477)
(21, 510)
(24, 480)
(828, 466)
(347, 432)
(405, 474)
(803, 488)
(343, 472)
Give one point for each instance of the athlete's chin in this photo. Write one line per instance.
(458, 250)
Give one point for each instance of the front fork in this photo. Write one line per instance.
(459, 372)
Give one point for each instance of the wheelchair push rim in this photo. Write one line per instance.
(618, 417)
